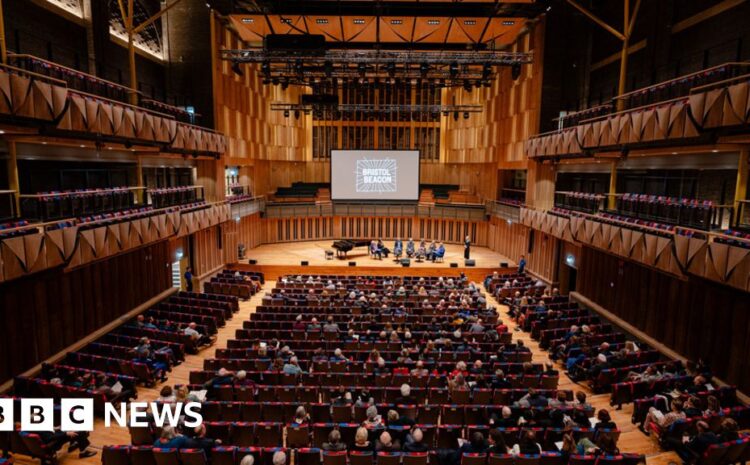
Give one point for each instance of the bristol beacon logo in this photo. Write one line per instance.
(377, 176)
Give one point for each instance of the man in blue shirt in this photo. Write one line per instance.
(189, 279)
(521, 264)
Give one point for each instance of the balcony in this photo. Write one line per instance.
(685, 110)
(29, 248)
(82, 106)
(718, 256)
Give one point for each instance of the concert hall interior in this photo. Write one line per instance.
(375, 232)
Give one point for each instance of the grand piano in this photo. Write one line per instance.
(345, 245)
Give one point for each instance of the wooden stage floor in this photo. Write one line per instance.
(631, 440)
(276, 260)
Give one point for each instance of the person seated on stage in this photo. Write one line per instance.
(422, 251)
(382, 249)
(410, 248)
(398, 248)
(374, 251)
(439, 252)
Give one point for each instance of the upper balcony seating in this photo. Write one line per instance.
(9, 229)
(682, 110)
(692, 213)
(580, 201)
(54, 205)
(170, 196)
(742, 238)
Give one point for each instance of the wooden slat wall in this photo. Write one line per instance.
(208, 250)
(695, 317)
(248, 231)
(304, 229)
(512, 240)
(44, 313)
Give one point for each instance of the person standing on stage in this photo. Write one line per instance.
(467, 248)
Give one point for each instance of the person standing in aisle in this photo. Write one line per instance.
(189, 279)
(467, 248)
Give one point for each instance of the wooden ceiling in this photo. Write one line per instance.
(433, 31)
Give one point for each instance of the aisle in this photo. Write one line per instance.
(631, 438)
(102, 436)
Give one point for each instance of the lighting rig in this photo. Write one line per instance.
(334, 111)
(467, 69)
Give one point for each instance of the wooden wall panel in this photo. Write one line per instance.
(323, 228)
(208, 250)
(512, 240)
(247, 231)
(695, 317)
(45, 313)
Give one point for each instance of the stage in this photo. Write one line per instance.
(286, 258)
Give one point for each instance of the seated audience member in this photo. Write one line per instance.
(200, 441)
(414, 441)
(301, 418)
(196, 336)
(361, 441)
(334, 443)
(496, 442)
(691, 448)
(373, 420)
(528, 444)
(605, 421)
(386, 443)
(728, 430)
(406, 398)
(292, 367)
(170, 439)
(54, 441)
(166, 396)
(279, 458)
(475, 445)
(248, 460)
(330, 326)
(661, 420)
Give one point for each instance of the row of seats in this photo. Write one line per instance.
(54, 205)
(170, 196)
(692, 213)
(580, 201)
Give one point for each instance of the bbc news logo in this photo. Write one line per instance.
(78, 414)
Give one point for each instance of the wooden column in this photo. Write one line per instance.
(13, 183)
(740, 190)
(140, 194)
(3, 45)
(611, 198)
(540, 185)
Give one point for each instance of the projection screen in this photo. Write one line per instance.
(375, 174)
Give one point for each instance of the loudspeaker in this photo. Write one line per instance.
(454, 265)
(405, 264)
(352, 263)
(305, 263)
(470, 262)
(405, 261)
(503, 264)
(253, 262)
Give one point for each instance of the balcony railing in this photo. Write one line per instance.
(56, 205)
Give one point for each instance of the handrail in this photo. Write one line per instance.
(111, 190)
(33, 74)
(117, 102)
(174, 108)
(680, 78)
(72, 71)
(705, 87)
(585, 110)
(631, 110)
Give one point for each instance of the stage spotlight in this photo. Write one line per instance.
(467, 85)
(286, 113)
(391, 69)
(299, 67)
(328, 69)
(515, 71)
(237, 69)
(455, 116)
(466, 115)
(284, 84)
(296, 114)
(362, 69)
(265, 68)
(424, 68)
